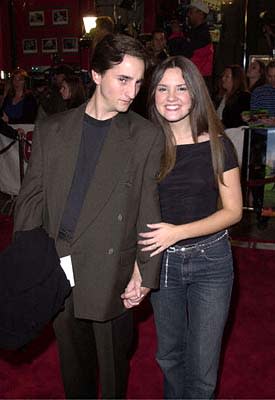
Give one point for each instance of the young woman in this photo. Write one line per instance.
(236, 98)
(72, 91)
(255, 74)
(199, 166)
(19, 105)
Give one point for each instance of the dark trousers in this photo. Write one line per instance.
(86, 347)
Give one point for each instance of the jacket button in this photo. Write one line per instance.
(111, 251)
(120, 217)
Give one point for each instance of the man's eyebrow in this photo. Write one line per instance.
(125, 77)
(129, 78)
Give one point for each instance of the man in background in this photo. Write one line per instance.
(264, 96)
(158, 46)
(196, 44)
(50, 99)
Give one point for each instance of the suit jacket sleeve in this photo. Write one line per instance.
(149, 212)
(29, 204)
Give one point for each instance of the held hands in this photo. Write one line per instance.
(134, 292)
(161, 237)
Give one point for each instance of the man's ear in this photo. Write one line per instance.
(96, 77)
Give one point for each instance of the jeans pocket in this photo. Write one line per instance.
(217, 252)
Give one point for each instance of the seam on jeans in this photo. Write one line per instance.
(166, 271)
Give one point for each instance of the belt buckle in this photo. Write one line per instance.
(171, 249)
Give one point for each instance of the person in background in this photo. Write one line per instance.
(19, 105)
(157, 52)
(197, 44)
(158, 46)
(72, 91)
(91, 184)
(268, 27)
(255, 74)
(264, 96)
(176, 30)
(199, 166)
(104, 26)
(236, 97)
(52, 101)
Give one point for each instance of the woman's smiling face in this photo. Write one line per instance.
(172, 97)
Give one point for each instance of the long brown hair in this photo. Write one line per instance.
(261, 80)
(22, 74)
(77, 91)
(239, 82)
(203, 117)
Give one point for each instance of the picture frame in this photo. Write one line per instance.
(36, 18)
(60, 16)
(29, 46)
(49, 45)
(70, 44)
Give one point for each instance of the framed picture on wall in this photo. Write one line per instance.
(36, 18)
(49, 45)
(29, 46)
(70, 44)
(60, 16)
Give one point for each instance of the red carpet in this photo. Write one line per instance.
(247, 365)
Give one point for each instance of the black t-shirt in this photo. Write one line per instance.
(92, 140)
(190, 193)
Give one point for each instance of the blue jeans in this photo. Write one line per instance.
(190, 311)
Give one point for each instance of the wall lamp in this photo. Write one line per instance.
(89, 21)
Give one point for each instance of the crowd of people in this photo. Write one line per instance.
(22, 104)
(132, 203)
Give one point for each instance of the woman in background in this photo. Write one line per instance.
(255, 74)
(199, 166)
(19, 105)
(236, 98)
(72, 91)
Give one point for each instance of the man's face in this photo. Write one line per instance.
(270, 76)
(194, 16)
(65, 91)
(158, 41)
(118, 86)
(18, 82)
(58, 79)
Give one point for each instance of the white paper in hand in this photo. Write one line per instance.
(66, 264)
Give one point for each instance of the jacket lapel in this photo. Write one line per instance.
(67, 144)
(115, 153)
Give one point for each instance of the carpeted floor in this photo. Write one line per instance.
(247, 366)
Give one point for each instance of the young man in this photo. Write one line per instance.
(159, 51)
(264, 96)
(91, 183)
